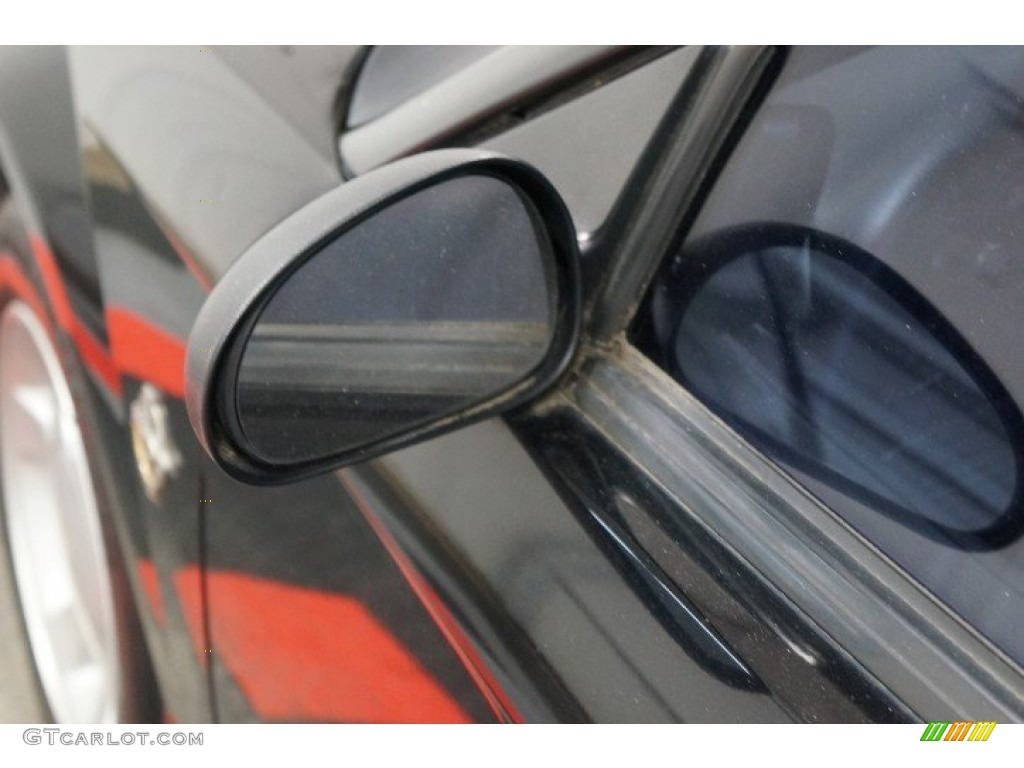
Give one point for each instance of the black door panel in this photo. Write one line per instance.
(611, 552)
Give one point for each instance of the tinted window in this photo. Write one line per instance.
(849, 299)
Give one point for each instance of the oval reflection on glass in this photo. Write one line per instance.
(433, 304)
(830, 363)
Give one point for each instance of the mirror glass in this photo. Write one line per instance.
(433, 304)
(833, 365)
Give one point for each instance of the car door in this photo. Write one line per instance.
(618, 551)
(666, 558)
(539, 528)
(865, 211)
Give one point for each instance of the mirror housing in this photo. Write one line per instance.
(301, 359)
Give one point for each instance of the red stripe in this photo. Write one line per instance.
(477, 668)
(13, 278)
(189, 588)
(146, 352)
(94, 356)
(308, 655)
(137, 347)
(150, 582)
(53, 284)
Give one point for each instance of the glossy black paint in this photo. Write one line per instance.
(512, 548)
(44, 176)
(736, 627)
(191, 527)
(44, 221)
(611, 552)
(323, 552)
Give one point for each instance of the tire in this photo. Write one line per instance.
(78, 615)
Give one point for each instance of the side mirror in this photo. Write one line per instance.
(430, 293)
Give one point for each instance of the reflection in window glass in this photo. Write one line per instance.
(850, 299)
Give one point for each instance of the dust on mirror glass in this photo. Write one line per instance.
(433, 304)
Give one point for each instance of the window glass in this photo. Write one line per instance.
(850, 300)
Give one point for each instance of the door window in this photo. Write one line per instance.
(850, 299)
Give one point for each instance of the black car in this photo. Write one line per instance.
(470, 384)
